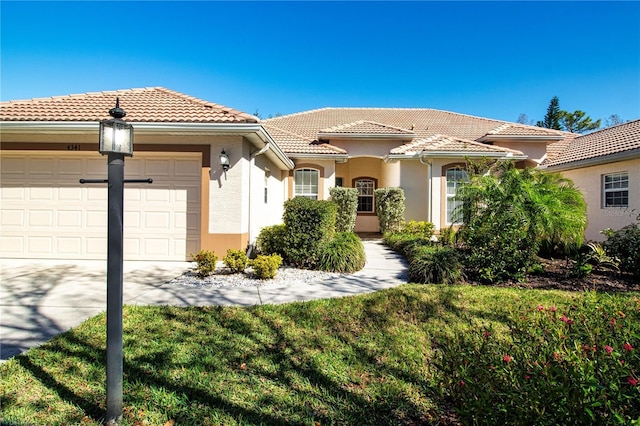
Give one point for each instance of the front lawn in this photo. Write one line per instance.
(412, 355)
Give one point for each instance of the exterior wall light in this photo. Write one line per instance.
(116, 135)
(224, 161)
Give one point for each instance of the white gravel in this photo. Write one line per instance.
(222, 277)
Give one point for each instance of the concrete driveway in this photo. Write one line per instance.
(40, 299)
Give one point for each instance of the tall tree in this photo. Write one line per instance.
(578, 122)
(553, 116)
(524, 119)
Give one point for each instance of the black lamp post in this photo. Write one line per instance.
(116, 140)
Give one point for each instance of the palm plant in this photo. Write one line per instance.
(510, 213)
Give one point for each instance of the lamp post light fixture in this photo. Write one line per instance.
(116, 140)
(224, 161)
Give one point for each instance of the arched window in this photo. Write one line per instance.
(366, 188)
(455, 177)
(305, 183)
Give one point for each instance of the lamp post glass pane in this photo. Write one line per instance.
(116, 136)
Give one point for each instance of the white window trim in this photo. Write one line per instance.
(449, 197)
(313, 196)
(372, 195)
(605, 190)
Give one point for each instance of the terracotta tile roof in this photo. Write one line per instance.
(524, 130)
(424, 123)
(367, 127)
(612, 140)
(292, 143)
(450, 144)
(154, 104)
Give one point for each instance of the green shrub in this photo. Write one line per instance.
(236, 260)
(577, 363)
(344, 254)
(390, 204)
(309, 226)
(205, 262)
(447, 236)
(624, 244)
(418, 228)
(271, 239)
(347, 201)
(435, 265)
(266, 267)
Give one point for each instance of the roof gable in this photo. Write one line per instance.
(600, 144)
(153, 104)
(443, 143)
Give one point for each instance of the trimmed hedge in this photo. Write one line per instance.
(347, 201)
(271, 240)
(390, 208)
(236, 260)
(266, 267)
(309, 226)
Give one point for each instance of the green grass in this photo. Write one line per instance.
(364, 360)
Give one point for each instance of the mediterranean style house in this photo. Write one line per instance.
(48, 144)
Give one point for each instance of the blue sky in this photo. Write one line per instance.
(492, 59)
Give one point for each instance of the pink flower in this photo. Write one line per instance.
(540, 308)
(487, 334)
(527, 377)
(622, 362)
(461, 383)
(608, 349)
(507, 359)
(566, 320)
(627, 347)
(632, 381)
(552, 309)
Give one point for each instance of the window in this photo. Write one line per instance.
(366, 188)
(455, 178)
(339, 183)
(305, 183)
(615, 190)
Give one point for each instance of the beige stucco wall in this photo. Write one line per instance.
(413, 178)
(535, 150)
(589, 180)
(265, 174)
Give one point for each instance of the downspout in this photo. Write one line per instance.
(252, 162)
(429, 199)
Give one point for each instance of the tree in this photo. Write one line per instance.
(553, 116)
(524, 119)
(578, 122)
(613, 120)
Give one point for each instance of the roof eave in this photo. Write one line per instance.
(595, 161)
(394, 136)
(521, 138)
(449, 154)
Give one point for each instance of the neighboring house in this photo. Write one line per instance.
(48, 144)
(605, 165)
(423, 151)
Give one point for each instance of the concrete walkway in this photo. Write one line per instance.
(40, 299)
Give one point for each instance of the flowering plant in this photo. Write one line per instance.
(580, 363)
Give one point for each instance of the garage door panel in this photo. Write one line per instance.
(46, 212)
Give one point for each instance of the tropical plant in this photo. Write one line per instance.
(344, 254)
(435, 264)
(624, 244)
(510, 213)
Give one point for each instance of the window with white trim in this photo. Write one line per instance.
(366, 188)
(305, 183)
(615, 190)
(455, 178)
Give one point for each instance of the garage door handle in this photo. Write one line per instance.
(125, 181)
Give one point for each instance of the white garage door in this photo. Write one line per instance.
(47, 213)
